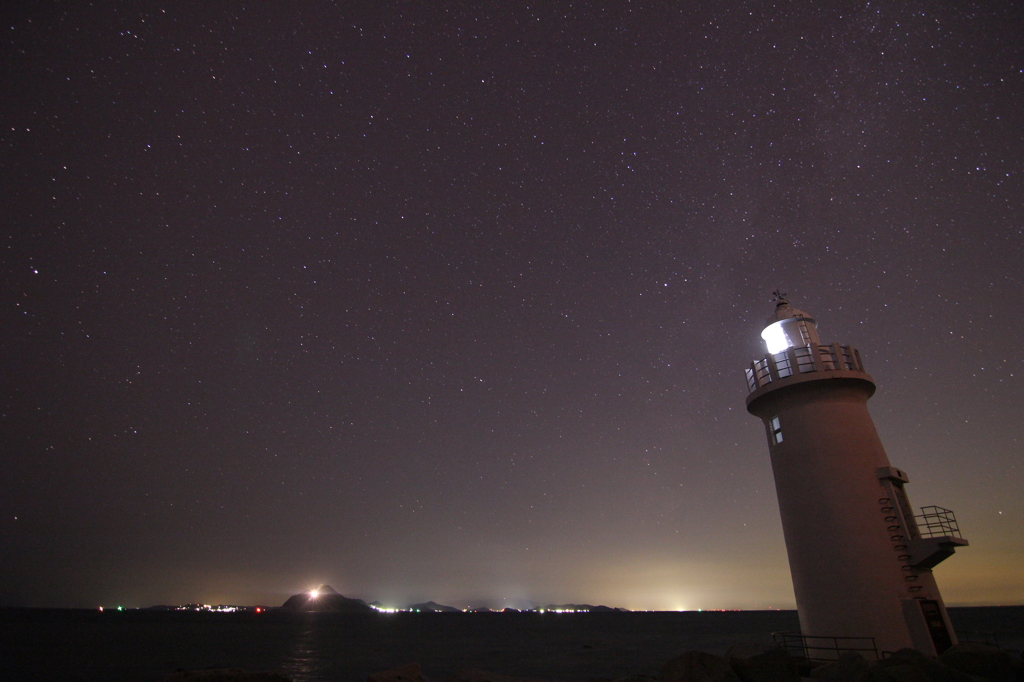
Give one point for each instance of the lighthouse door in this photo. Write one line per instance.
(936, 625)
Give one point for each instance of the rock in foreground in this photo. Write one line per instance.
(410, 672)
(225, 675)
(698, 666)
(982, 660)
(760, 663)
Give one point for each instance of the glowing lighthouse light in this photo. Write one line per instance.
(788, 328)
(314, 593)
(775, 338)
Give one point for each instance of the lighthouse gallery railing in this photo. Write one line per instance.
(800, 360)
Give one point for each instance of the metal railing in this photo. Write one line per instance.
(817, 648)
(978, 637)
(936, 522)
(801, 360)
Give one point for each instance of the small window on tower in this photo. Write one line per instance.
(776, 429)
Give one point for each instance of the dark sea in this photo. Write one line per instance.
(45, 644)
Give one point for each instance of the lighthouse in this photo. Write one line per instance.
(860, 557)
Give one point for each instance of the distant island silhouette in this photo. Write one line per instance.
(325, 598)
(435, 607)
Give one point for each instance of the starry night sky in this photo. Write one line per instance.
(453, 300)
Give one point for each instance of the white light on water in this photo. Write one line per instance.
(775, 338)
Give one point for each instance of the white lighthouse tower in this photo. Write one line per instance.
(860, 558)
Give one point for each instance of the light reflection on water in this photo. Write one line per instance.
(304, 661)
